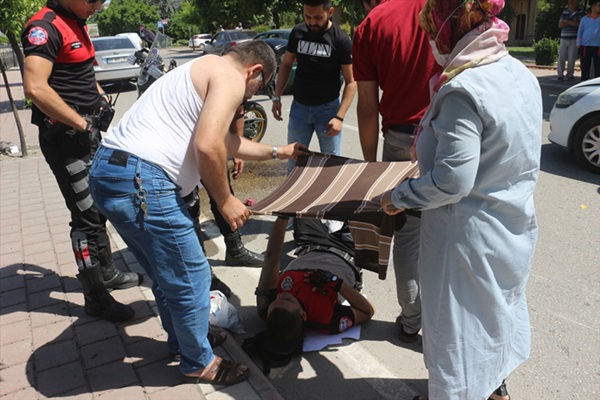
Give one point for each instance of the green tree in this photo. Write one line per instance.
(546, 21)
(227, 13)
(186, 15)
(13, 17)
(127, 16)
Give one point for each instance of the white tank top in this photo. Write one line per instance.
(159, 127)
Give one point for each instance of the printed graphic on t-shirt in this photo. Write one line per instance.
(76, 45)
(314, 49)
(287, 283)
(37, 36)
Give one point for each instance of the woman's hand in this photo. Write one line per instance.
(388, 207)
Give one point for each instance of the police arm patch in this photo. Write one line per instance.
(37, 36)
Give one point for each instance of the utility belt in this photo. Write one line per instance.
(410, 129)
(100, 119)
(340, 253)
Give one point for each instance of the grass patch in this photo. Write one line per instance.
(525, 54)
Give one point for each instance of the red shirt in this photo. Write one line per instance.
(390, 47)
(323, 311)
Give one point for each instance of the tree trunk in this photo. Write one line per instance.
(15, 47)
(15, 111)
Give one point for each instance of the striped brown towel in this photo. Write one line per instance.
(332, 187)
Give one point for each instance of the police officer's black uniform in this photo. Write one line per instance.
(56, 34)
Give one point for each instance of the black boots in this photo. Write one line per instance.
(112, 277)
(238, 255)
(98, 302)
(115, 279)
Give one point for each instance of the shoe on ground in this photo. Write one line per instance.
(571, 78)
(403, 335)
(560, 78)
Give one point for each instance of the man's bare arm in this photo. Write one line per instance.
(361, 307)
(367, 110)
(269, 275)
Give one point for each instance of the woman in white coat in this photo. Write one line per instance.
(479, 153)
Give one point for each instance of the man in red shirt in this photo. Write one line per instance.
(309, 293)
(391, 52)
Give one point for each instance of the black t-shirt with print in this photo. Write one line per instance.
(320, 57)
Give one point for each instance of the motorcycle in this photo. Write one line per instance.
(152, 67)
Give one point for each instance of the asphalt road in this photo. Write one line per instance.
(563, 288)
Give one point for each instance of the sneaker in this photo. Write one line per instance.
(403, 335)
(407, 337)
(571, 78)
(560, 78)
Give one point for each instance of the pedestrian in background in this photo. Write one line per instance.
(568, 24)
(479, 161)
(391, 52)
(322, 51)
(60, 81)
(147, 35)
(588, 41)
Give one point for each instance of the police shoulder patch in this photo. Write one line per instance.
(37, 36)
(345, 324)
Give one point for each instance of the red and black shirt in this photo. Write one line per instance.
(59, 36)
(323, 310)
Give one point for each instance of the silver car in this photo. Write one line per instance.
(111, 62)
(198, 41)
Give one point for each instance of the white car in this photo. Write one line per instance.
(575, 123)
(198, 41)
(112, 54)
(134, 37)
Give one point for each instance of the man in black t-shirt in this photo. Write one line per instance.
(322, 50)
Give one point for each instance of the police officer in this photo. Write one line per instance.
(59, 79)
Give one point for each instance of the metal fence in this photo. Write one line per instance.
(8, 57)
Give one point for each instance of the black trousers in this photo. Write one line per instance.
(588, 55)
(67, 152)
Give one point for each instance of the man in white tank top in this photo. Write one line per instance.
(174, 135)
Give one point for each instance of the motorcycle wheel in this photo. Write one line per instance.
(255, 121)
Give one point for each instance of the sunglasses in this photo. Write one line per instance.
(95, 1)
(266, 87)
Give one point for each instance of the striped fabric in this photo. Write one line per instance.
(331, 187)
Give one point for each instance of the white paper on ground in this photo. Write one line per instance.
(315, 341)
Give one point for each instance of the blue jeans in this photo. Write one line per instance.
(164, 242)
(304, 120)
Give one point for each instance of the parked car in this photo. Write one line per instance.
(575, 123)
(278, 40)
(275, 33)
(134, 37)
(198, 41)
(112, 53)
(224, 40)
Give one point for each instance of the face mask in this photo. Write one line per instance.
(441, 59)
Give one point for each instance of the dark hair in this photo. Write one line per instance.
(285, 326)
(255, 52)
(313, 3)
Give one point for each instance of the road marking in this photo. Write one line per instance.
(374, 373)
